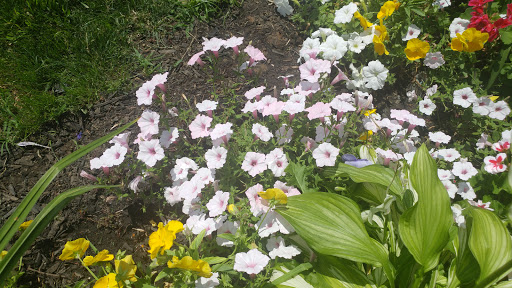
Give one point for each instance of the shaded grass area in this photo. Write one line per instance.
(59, 56)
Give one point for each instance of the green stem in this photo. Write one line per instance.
(92, 273)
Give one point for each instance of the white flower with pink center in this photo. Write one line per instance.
(121, 139)
(214, 44)
(257, 206)
(254, 163)
(254, 54)
(234, 42)
(222, 132)
(261, 132)
(449, 155)
(199, 127)
(114, 155)
(318, 110)
(288, 190)
(172, 195)
(499, 110)
(216, 157)
(273, 109)
(169, 136)
(277, 248)
(254, 92)
(464, 97)
(439, 137)
(466, 191)
(190, 189)
(482, 142)
(204, 175)
(426, 106)
(204, 223)
(464, 170)
(444, 174)
(145, 93)
(218, 204)
(252, 262)
(450, 188)
(148, 122)
(207, 106)
(312, 69)
(277, 162)
(159, 80)
(482, 106)
(266, 101)
(412, 32)
(150, 152)
(481, 204)
(273, 223)
(388, 155)
(495, 165)
(325, 154)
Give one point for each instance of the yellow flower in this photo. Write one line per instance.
(416, 49)
(470, 40)
(2, 254)
(493, 98)
(364, 23)
(378, 46)
(387, 9)
(102, 256)
(187, 263)
(74, 248)
(366, 135)
(126, 268)
(369, 112)
(163, 238)
(25, 225)
(274, 193)
(108, 281)
(232, 209)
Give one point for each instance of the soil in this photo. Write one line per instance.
(110, 223)
(126, 223)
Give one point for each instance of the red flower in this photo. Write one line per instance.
(502, 23)
(478, 2)
(509, 10)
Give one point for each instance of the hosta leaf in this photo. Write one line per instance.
(424, 228)
(377, 174)
(489, 241)
(341, 273)
(331, 225)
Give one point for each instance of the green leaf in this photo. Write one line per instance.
(425, 227)
(331, 225)
(163, 274)
(341, 273)
(506, 35)
(418, 11)
(197, 241)
(296, 175)
(38, 225)
(227, 236)
(292, 273)
(214, 260)
(490, 242)
(377, 174)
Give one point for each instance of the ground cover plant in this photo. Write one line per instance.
(307, 184)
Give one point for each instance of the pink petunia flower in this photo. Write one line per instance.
(207, 106)
(449, 155)
(464, 97)
(169, 136)
(438, 138)
(196, 58)
(251, 262)
(254, 163)
(145, 93)
(150, 152)
(481, 204)
(325, 154)
(482, 106)
(121, 139)
(218, 203)
(214, 44)
(148, 122)
(199, 127)
(221, 133)
(261, 132)
(499, 110)
(312, 69)
(216, 157)
(255, 54)
(234, 42)
(276, 247)
(172, 195)
(319, 110)
(255, 201)
(273, 109)
(277, 162)
(254, 92)
(113, 156)
(159, 80)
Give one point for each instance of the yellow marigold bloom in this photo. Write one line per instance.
(102, 256)
(2, 254)
(187, 263)
(163, 238)
(25, 225)
(364, 23)
(108, 281)
(274, 193)
(416, 49)
(126, 268)
(387, 9)
(74, 248)
(470, 40)
(378, 46)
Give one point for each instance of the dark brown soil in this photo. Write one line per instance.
(107, 222)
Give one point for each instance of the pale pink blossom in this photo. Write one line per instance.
(251, 107)
(466, 191)
(216, 157)
(318, 110)
(307, 88)
(218, 204)
(88, 176)
(252, 262)
(450, 188)
(150, 152)
(255, 54)
(169, 136)
(214, 44)
(199, 127)
(254, 92)
(207, 106)
(273, 223)
(273, 109)
(121, 139)
(495, 165)
(449, 155)
(255, 201)
(234, 42)
(481, 204)
(133, 185)
(312, 69)
(212, 281)
(499, 110)
(482, 142)
(288, 190)
(434, 60)
(444, 174)
(222, 132)
(439, 137)
(266, 102)
(277, 248)
(190, 189)
(145, 93)
(159, 80)
(113, 156)
(204, 223)
(148, 122)
(464, 170)
(284, 134)
(277, 162)
(325, 154)
(172, 195)
(426, 106)
(186, 163)
(388, 155)
(261, 132)
(254, 163)
(196, 58)
(204, 175)
(482, 106)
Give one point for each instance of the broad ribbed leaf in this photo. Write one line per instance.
(489, 241)
(467, 269)
(424, 228)
(377, 174)
(331, 225)
(341, 273)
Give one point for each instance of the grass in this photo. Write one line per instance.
(61, 56)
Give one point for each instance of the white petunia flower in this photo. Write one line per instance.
(375, 75)
(427, 106)
(345, 13)
(464, 170)
(464, 97)
(276, 247)
(251, 262)
(458, 25)
(325, 154)
(412, 32)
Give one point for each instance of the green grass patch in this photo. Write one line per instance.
(61, 56)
